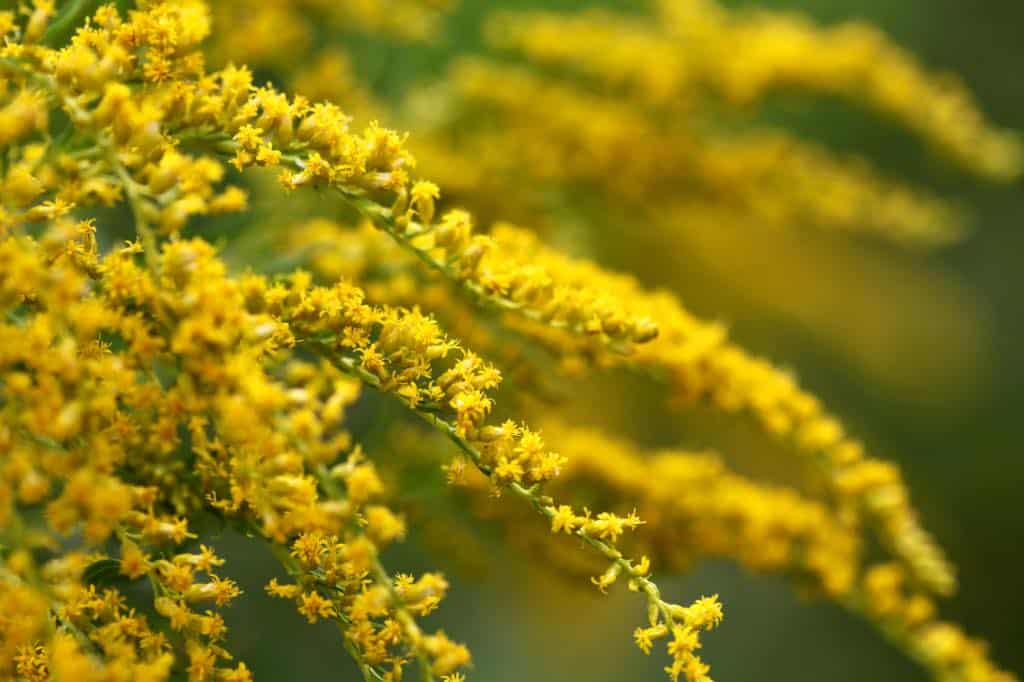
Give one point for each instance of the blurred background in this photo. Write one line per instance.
(918, 350)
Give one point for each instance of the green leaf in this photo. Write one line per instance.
(70, 16)
(103, 572)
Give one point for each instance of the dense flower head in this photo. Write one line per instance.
(149, 381)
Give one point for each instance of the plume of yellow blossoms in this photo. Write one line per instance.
(908, 618)
(337, 324)
(693, 172)
(740, 56)
(287, 36)
(89, 435)
(699, 362)
(258, 442)
(143, 385)
(280, 31)
(262, 445)
(765, 528)
(566, 134)
(260, 428)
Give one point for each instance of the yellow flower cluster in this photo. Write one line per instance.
(341, 577)
(699, 361)
(257, 442)
(565, 134)
(401, 352)
(910, 619)
(144, 384)
(676, 172)
(261, 428)
(391, 275)
(740, 56)
(220, 331)
(494, 276)
(336, 323)
(312, 145)
(283, 31)
(702, 363)
(767, 529)
(502, 277)
(89, 436)
(764, 528)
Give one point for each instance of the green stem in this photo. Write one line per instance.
(142, 228)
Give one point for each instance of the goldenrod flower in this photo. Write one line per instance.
(146, 385)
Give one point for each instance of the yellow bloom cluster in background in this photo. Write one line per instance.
(742, 56)
(155, 373)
